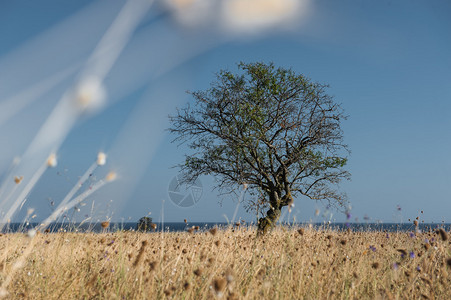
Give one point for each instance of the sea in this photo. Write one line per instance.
(205, 226)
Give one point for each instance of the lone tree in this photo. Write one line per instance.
(269, 129)
(144, 224)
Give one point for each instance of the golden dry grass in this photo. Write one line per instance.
(228, 264)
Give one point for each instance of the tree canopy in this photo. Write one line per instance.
(144, 224)
(272, 130)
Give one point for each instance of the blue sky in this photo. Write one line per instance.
(387, 62)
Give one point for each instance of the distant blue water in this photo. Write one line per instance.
(179, 226)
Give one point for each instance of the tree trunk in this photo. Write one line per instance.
(267, 223)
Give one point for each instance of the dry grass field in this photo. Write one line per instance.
(226, 264)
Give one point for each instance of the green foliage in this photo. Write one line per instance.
(271, 128)
(144, 224)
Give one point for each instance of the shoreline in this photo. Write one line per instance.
(203, 226)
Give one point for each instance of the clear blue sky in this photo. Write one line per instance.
(387, 62)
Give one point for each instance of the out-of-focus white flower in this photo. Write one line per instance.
(181, 4)
(101, 158)
(111, 176)
(16, 160)
(251, 16)
(51, 161)
(90, 94)
(3, 293)
(191, 12)
(31, 233)
(18, 264)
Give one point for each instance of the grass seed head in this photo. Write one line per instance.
(403, 252)
(219, 284)
(443, 234)
(18, 179)
(105, 224)
(261, 274)
(51, 161)
(111, 176)
(229, 276)
(198, 272)
(101, 159)
(152, 265)
(90, 94)
(140, 253)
